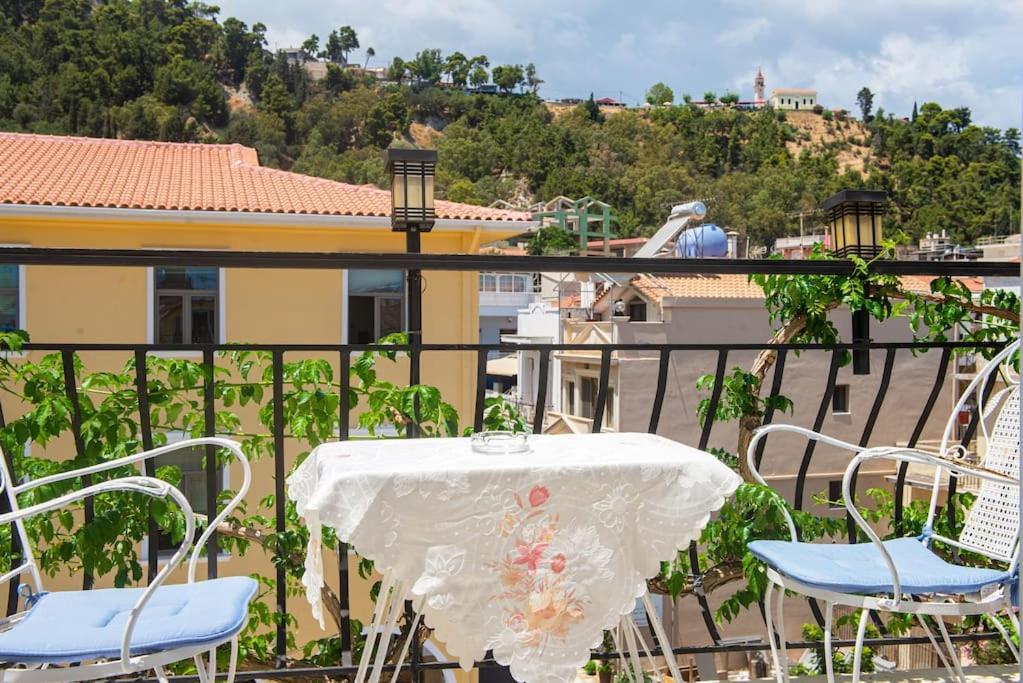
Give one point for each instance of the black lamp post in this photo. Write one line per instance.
(854, 225)
(412, 213)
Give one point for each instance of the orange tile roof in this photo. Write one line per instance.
(725, 286)
(53, 170)
(921, 284)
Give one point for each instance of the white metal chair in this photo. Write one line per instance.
(112, 632)
(903, 575)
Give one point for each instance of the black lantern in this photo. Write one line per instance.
(854, 225)
(412, 172)
(854, 222)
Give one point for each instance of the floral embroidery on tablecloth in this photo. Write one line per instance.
(539, 601)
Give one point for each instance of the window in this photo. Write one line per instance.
(190, 461)
(570, 398)
(609, 413)
(835, 495)
(488, 282)
(840, 399)
(637, 310)
(587, 396)
(376, 304)
(186, 304)
(10, 298)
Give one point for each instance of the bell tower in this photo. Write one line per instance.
(758, 86)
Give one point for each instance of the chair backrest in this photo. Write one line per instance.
(991, 526)
(27, 560)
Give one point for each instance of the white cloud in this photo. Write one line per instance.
(743, 32)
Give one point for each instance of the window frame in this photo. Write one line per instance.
(152, 307)
(19, 293)
(845, 392)
(346, 297)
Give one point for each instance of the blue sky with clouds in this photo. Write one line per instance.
(956, 52)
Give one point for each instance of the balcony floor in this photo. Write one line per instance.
(1001, 673)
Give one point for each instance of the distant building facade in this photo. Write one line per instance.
(793, 98)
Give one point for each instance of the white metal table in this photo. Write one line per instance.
(530, 555)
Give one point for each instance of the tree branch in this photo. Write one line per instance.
(714, 578)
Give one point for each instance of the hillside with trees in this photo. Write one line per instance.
(172, 70)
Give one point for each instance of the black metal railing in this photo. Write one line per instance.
(663, 352)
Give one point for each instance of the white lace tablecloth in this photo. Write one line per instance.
(530, 555)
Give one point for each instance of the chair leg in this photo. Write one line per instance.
(160, 674)
(783, 653)
(861, 630)
(232, 667)
(829, 662)
(997, 623)
(937, 648)
(952, 654)
(200, 669)
(769, 619)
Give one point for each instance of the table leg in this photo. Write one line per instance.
(662, 638)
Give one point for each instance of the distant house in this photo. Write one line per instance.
(609, 102)
(793, 98)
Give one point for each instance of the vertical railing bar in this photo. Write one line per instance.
(281, 597)
(932, 398)
(701, 595)
(776, 380)
(868, 428)
(344, 594)
(149, 466)
(822, 412)
(71, 390)
(5, 506)
(541, 391)
(212, 471)
(662, 386)
(601, 401)
(481, 390)
(715, 398)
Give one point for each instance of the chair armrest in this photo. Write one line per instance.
(810, 435)
(211, 527)
(149, 486)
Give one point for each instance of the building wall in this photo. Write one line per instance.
(109, 304)
(792, 101)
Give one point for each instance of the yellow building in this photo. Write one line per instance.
(64, 192)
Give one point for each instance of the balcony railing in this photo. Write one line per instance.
(942, 355)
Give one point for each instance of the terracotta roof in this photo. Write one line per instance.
(620, 242)
(52, 170)
(795, 91)
(727, 286)
(922, 283)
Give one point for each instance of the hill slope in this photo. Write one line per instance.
(167, 70)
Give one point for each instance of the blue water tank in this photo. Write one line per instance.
(707, 240)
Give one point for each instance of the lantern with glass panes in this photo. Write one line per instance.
(412, 172)
(854, 228)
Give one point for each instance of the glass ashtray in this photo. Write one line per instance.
(499, 443)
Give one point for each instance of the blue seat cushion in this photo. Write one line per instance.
(860, 569)
(75, 626)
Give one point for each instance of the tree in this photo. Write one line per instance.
(687, 98)
(592, 110)
(311, 47)
(551, 239)
(397, 70)
(533, 81)
(370, 53)
(339, 43)
(507, 76)
(912, 116)
(710, 97)
(659, 94)
(730, 98)
(478, 70)
(865, 101)
(427, 67)
(457, 67)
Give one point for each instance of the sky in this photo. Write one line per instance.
(954, 52)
